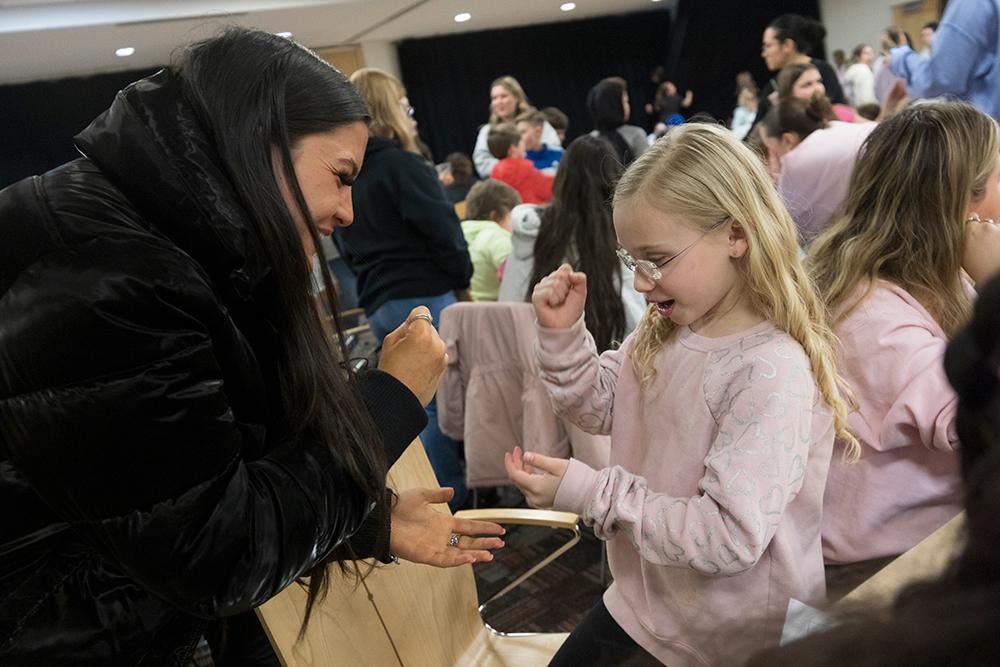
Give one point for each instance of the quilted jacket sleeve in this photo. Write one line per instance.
(113, 405)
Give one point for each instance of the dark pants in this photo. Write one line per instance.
(240, 641)
(599, 640)
(443, 452)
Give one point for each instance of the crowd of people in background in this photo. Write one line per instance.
(774, 316)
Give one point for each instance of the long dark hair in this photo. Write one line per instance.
(807, 33)
(607, 113)
(580, 217)
(254, 91)
(950, 619)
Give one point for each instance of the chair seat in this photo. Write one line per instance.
(492, 650)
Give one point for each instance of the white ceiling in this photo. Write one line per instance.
(47, 39)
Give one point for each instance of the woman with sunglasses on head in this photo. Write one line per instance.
(722, 409)
(179, 440)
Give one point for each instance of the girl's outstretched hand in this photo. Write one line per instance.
(539, 488)
(559, 298)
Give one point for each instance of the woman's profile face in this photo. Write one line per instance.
(325, 165)
(775, 53)
(503, 103)
(808, 84)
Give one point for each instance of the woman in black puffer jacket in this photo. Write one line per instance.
(178, 442)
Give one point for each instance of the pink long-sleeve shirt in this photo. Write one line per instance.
(907, 483)
(712, 504)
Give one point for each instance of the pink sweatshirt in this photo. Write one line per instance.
(907, 483)
(711, 506)
(815, 175)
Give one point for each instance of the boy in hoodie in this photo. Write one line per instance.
(504, 142)
(487, 231)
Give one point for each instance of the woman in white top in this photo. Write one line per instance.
(507, 102)
(859, 77)
(577, 228)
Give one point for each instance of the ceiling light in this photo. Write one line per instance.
(124, 51)
(567, 6)
(463, 17)
(286, 35)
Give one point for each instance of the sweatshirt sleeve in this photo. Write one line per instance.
(893, 358)
(580, 383)
(961, 45)
(753, 469)
(423, 204)
(481, 155)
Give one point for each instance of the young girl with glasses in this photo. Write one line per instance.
(894, 270)
(722, 409)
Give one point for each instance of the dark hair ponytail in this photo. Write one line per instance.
(807, 33)
(579, 217)
(255, 92)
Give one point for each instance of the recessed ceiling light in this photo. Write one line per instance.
(567, 6)
(124, 51)
(463, 17)
(286, 35)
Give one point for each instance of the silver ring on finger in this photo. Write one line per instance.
(423, 316)
(453, 542)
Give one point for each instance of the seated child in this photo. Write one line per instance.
(487, 231)
(504, 142)
(558, 120)
(458, 178)
(545, 158)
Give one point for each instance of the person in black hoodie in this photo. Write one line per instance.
(406, 245)
(178, 440)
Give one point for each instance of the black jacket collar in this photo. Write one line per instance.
(156, 150)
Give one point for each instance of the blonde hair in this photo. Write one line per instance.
(515, 89)
(701, 173)
(904, 217)
(382, 93)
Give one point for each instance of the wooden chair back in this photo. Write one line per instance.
(404, 614)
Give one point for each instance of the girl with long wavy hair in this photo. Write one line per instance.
(722, 409)
(894, 271)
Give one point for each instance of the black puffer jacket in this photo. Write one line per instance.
(140, 483)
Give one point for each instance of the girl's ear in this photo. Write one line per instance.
(790, 140)
(738, 244)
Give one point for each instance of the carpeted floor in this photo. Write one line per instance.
(553, 600)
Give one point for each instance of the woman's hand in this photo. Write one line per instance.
(422, 534)
(982, 250)
(415, 355)
(559, 298)
(539, 488)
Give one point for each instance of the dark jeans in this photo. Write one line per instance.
(599, 640)
(443, 452)
(240, 641)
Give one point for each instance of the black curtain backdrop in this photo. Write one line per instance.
(721, 39)
(39, 120)
(448, 78)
